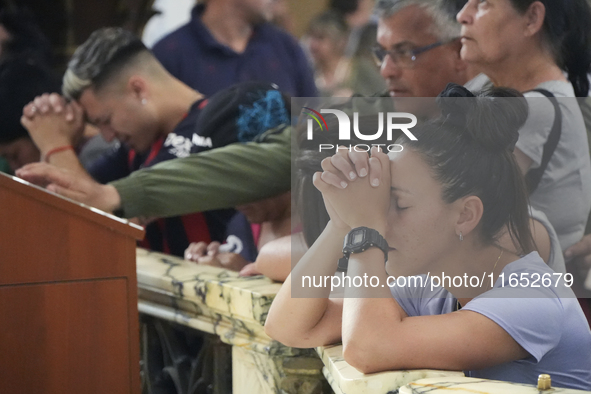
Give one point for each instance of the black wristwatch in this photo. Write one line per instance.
(358, 240)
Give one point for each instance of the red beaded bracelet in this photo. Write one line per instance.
(57, 150)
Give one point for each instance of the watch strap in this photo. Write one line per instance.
(343, 264)
(372, 239)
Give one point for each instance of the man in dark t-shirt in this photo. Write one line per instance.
(173, 234)
(121, 88)
(227, 42)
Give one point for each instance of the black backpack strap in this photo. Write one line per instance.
(533, 177)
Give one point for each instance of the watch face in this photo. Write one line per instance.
(357, 238)
(360, 239)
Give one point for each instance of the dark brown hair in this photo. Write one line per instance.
(470, 151)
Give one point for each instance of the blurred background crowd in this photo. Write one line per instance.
(336, 36)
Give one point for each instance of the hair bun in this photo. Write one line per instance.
(454, 106)
(455, 90)
(491, 119)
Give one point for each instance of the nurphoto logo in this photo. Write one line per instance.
(344, 132)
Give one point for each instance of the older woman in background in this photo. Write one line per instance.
(530, 45)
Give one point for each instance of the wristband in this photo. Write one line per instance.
(57, 150)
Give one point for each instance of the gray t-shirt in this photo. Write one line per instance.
(546, 321)
(564, 192)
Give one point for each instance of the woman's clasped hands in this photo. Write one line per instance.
(356, 188)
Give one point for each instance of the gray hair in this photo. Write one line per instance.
(443, 13)
(99, 58)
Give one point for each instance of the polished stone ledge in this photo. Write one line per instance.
(217, 289)
(343, 378)
(464, 385)
(218, 301)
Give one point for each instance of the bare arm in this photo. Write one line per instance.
(523, 161)
(378, 335)
(580, 253)
(72, 185)
(243, 173)
(315, 320)
(276, 258)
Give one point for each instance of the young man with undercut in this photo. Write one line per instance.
(115, 83)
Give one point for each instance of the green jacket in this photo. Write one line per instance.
(219, 178)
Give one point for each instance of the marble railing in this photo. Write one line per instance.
(223, 305)
(343, 378)
(463, 385)
(219, 302)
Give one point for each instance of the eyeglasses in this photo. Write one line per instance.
(403, 55)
